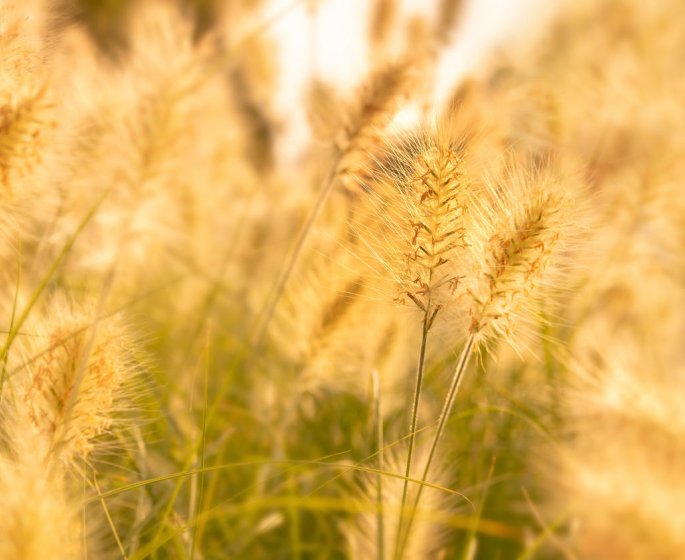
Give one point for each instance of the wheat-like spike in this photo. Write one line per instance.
(22, 122)
(320, 298)
(420, 194)
(71, 384)
(138, 139)
(449, 14)
(383, 16)
(25, 104)
(525, 229)
(359, 124)
(66, 421)
(354, 126)
(374, 104)
(332, 326)
(521, 223)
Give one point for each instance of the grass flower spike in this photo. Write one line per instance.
(419, 199)
(521, 221)
(72, 379)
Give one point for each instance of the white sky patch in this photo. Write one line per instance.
(486, 25)
(330, 42)
(405, 118)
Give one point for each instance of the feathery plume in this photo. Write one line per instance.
(25, 102)
(70, 379)
(416, 222)
(333, 326)
(515, 231)
(521, 220)
(354, 126)
(420, 196)
(351, 132)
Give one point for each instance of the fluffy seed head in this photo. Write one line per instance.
(70, 381)
(420, 198)
(521, 221)
(24, 100)
(354, 126)
(621, 473)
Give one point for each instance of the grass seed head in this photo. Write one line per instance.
(521, 222)
(73, 379)
(418, 232)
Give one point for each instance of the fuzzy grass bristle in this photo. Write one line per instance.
(521, 223)
(419, 198)
(355, 126)
(22, 122)
(25, 104)
(624, 452)
(71, 380)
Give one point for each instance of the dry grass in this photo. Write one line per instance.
(437, 331)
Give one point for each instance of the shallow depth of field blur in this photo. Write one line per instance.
(319, 279)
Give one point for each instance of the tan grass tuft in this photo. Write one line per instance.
(72, 380)
(520, 225)
(24, 97)
(354, 126)
(420, 194)
(621, 473)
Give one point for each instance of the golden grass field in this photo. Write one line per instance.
(423, 314)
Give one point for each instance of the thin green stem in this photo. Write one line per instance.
(283, 464)
(442, 421)
(11, 327)
(122, 551)
(294, 515)
(413, 424)
(263, 319)
(378, 420)
(279, 287)
(203, 442)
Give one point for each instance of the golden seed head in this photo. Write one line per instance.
(521, 223)
(420, 194)
(72, 381)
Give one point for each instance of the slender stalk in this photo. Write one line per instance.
(120, 545)
(414, 421)
(11, 328)
(294, 529)
(274, 297)
(198, 503)
(442, 421)
(378, 420)
(266, 314)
